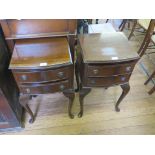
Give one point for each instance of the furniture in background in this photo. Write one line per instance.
(122, 24)
(43, 57)
(152, 61)
(83, 25)
(148, 80)
(10, 109)
(149, 28)
(104, 60)
(100, 28)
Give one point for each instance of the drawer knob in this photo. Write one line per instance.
(123, 78)
(24, 77)
(95, 71)
(60, 74)
(128, 68)
(62, 87)
(27, 90)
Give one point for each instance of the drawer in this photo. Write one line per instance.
(44, 88)
(108, 81)
(109, 70)
(42, 76)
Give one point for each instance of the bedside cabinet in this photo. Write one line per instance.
(43, 66)
(104, 60)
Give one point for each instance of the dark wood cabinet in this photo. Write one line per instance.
(10, 109)
(42, 59)
(104, 60)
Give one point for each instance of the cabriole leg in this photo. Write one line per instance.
(125, 88)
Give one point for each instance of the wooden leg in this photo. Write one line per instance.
(144, 44)
(23, 99)
(152, 90)
(132, 30)
(126, 88)
(151, 76)
(82, 93)
(71, 95)
(77, 77)
(143, 47)
(147, 38)
(122, 25)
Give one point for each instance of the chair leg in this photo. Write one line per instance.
(144, 44)
(122, 25)
(143, 48)
(151, 76)
(147, 38)
(107, 20)
(132, 30)
(97, 21)
(152, 90)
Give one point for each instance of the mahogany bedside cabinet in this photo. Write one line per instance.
(42, 66)
(42, 57)
(104, 60)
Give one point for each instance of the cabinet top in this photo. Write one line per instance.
(40, 53)
(106, 47)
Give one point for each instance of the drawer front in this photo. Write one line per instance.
(110, 70)
(108, 81)
(42, 76)
(44, 88)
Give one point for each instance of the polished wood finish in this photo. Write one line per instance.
(100, 47)
(39, 28)
(136, 116)
(107, 81)
(29, 53)
(43, 56)
(36, 28)
(108, 70)
(104, 60)
(43, 66)
(61, 73)
(46, 88)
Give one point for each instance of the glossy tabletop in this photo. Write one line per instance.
(40, 53)
(106, 47)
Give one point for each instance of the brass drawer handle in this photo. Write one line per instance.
(27, 90)
(62, 87)
(128, 68)
(60, 74)
(24, 77)
(123, 78)
(95, 71)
